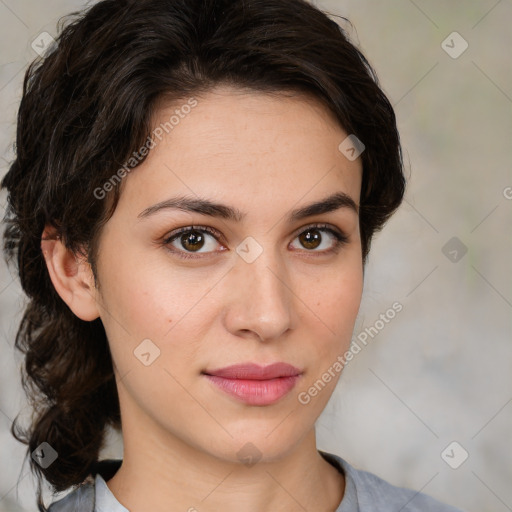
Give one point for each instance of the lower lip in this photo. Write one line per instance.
(256, 392)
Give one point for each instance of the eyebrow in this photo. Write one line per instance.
(202, 206)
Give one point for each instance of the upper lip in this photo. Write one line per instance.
(253, 371)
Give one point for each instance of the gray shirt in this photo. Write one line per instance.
(364, 492)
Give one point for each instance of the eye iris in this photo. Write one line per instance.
(311, 241)
(194, 239)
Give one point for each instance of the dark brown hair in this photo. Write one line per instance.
(87, 106)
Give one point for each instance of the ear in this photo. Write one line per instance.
(71, 276)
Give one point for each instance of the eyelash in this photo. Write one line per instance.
(340, 239)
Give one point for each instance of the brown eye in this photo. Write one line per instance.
(319, 236)
(311, 238)
(188, 242)
(198, 242)
(192, 241)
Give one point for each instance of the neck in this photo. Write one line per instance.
(162, 473)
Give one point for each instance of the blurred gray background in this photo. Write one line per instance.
(427, 403)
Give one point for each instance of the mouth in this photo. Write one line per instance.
(254, 384)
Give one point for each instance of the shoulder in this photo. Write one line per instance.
(83, 498)
(78, 500)
(366, 492)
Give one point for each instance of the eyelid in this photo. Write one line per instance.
(319, 225)
(341, 238)
(179, 231)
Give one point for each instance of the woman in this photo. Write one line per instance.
(191, 207)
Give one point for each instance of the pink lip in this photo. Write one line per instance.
(253, 384)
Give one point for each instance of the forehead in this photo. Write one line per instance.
(249, 147)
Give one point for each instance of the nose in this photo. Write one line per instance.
(259, 297)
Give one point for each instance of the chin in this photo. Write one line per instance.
(249, 447)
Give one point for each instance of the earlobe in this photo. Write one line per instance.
(71, 276)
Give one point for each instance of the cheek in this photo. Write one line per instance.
(142, 302)
(337, 292)
(334, 302)
(141, 296)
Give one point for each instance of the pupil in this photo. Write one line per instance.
(311, 241)
(194, 239)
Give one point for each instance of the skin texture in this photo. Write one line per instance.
(264, 155)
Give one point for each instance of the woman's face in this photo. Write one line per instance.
(265, 288)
